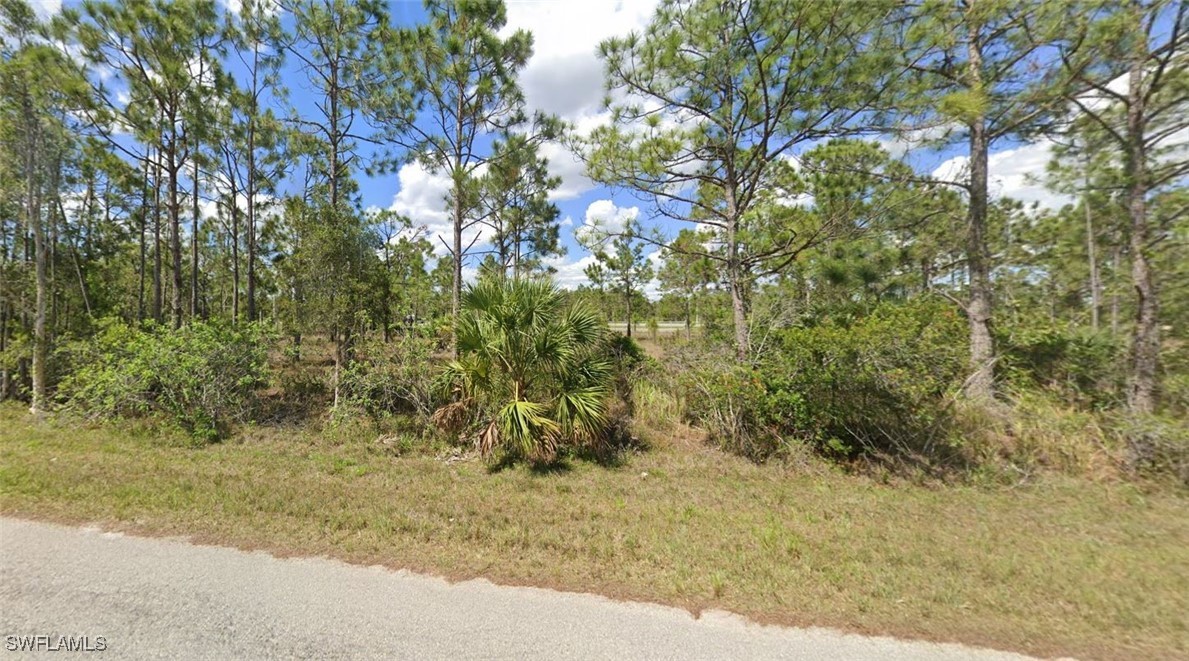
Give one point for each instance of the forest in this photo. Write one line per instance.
(185, 242)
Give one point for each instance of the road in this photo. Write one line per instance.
(167, 599)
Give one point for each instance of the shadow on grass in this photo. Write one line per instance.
(607, 455)
(559, 466)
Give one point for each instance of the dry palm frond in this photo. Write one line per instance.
(453, 416)
(489, 439)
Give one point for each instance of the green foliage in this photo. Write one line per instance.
(621, 266)
(393, 377)
(202, 376)
(1157, 446)
(1077, 365)
(875, 387)
(742, 410)
(532, 377)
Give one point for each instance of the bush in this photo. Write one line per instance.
(1156, 446)
(874, 387)
(1033, 431)
(532, 378)
(392, 377)
(1076, 365)
(203, 375)
(742, 411)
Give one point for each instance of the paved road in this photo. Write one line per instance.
(156, 598)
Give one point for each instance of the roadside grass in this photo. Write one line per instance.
(1059, 567)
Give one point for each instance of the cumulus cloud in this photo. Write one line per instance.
(1017, 173)
(422, 198)
(564, 75)
(570, 274)
(604, 217)
(562, 163)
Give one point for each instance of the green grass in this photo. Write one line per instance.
(1061, 567)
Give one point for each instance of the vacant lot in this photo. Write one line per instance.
(1056, 567)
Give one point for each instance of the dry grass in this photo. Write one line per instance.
(1056, 567)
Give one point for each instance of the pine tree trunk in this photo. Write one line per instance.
(1092, 257)
(735, 278)
(1116, 259)
(158, 293)
(142, 257)
(456, 290)
(251, 185)
(175, 238)
(251, 229)
(980, 385)
(628, 302)
(33, 220)
(1145, 344)
(234, 254)
(194, 247)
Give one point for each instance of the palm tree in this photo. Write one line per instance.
(529, 371)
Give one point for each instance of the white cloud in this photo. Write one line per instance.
(572, 171)
(570, 275)
(46, 8)
(1017, 173)
(899, 145)
(564, 75)
(954, 169)
(422, 197)
(603, 217)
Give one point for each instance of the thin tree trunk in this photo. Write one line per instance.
(251, 184)
(234, 254)
(628, 301)
(1145, 345)
(735, 279)
(51, 248)
(194, 244)
(980, 385)
(251, 193)
(175, 238)
(158, 266)
(456, 290)
(1092, 255)
(689, 329)
(142, 263)
(1116, 249)
(33, 222)
(456, 293)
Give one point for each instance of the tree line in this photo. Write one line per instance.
(156, 169)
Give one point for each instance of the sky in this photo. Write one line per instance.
(564, 77)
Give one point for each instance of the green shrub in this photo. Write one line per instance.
(533, 377)
(1156, 446)
(1077, 365)
(741, 410)
(877, 386)
(392, 377)
(203, 376)
(1174, 386)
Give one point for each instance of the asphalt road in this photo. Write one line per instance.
(159, 598)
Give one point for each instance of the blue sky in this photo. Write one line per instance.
(565, 78)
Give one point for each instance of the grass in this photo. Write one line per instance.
(1059, 567)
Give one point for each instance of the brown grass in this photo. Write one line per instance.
(1062, 566)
